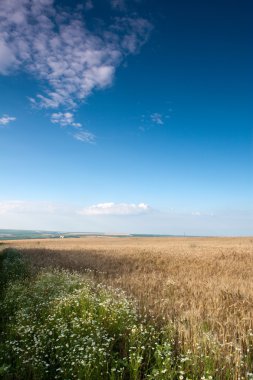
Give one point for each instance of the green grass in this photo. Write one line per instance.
(60, 325)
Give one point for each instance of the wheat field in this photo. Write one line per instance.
(202, 286)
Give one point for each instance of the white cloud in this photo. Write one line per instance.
(84, 136)
(157, 118)
(64, 119)
(6, 119)
(111, 208)
(58, 48)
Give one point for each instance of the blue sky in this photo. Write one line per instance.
(126, 116)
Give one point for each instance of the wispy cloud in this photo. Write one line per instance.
(111, 208)
(153, 120)
(45, 207)
(89, 5)
(157, 118)
(58, 48)
(84, 136)
(6, 119)
(203, 214)
(64, 119)
(118, 4)
(18, 206)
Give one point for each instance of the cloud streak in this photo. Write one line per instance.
(6, 119)
(44, 207)
(111, 208)
(84, 136)
(33, 207)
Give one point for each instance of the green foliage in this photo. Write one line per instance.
(12, 267)
(13, 270)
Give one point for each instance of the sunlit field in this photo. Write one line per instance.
(196, 292)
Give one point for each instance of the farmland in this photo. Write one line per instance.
(200, 287)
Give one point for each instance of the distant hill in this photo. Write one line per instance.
(37, 234)
(6, 234)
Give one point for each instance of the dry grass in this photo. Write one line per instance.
(203, 285)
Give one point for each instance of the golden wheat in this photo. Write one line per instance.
(202, 285)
